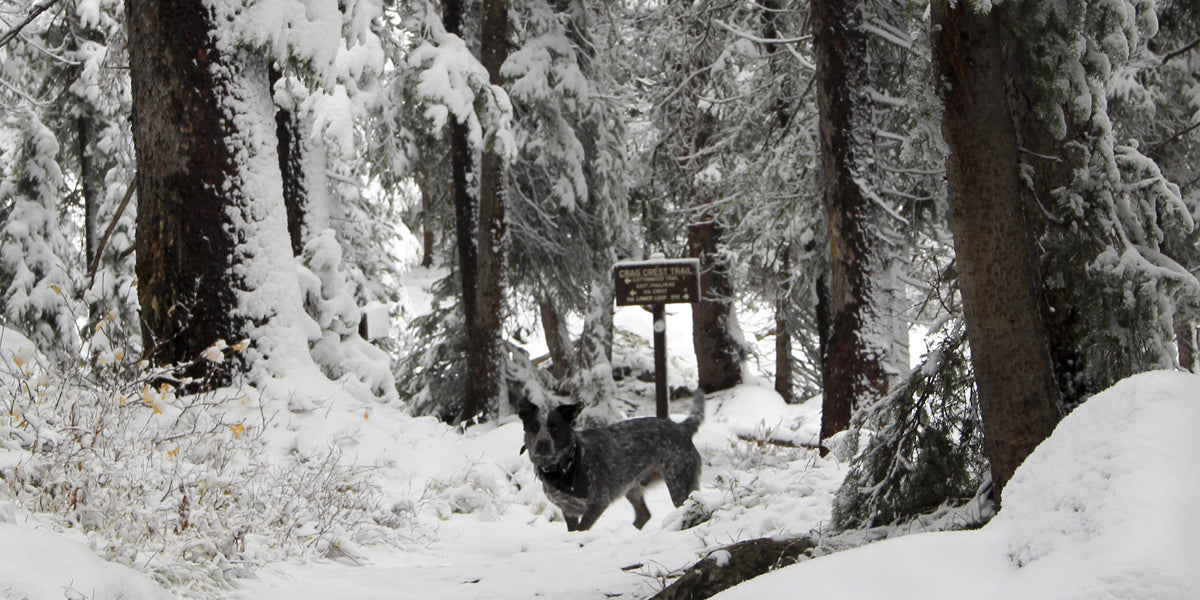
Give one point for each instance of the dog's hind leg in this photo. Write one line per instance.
(641, 513)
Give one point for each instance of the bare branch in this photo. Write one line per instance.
(38, 9)
(1160, 145)
(757, 39)
(1183, 50)
(111, 226)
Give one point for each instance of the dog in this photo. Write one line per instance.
(582, 472)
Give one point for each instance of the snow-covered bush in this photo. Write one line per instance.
(926, 451)
(178, 485)
(342, 353)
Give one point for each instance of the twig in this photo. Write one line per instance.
(33, 14)
(1159, 146)
(108, 232)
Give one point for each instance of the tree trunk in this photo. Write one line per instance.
(184, 244)
(465, 222)
(719, 352)
(993, 242)
(853, 373)
(291, 151)
(558, 339)
(1185, 340)
(485, 360)
(783, 333)
(91, 183)
(593, 380)
(427, 240)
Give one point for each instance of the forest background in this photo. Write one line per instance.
(1019, 178)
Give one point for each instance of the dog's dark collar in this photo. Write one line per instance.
(566, 476)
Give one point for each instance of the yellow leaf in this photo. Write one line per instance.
(124, 399)
(238, 430)
(17, 360)
(171, 453)
(367, 415)
(57, 290)
(156, 407)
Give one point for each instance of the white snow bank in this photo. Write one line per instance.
(38, 565)
(1104, 509)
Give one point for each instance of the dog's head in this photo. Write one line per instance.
(549, 435)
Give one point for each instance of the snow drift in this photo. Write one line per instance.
(1104, 509)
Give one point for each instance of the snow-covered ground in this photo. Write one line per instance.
(1104, 509)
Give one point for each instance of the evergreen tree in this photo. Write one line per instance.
(1107, 208)
(35, 278)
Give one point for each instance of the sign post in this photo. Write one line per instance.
(654, 284)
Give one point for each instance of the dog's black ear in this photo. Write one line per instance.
(568, 412)
(526, 410)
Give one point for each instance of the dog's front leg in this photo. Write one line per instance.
(589, 518)
(572, 522)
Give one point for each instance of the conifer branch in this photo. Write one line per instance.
(33, 14)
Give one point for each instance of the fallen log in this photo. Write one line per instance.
(731, 565)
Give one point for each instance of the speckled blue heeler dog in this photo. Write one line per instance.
(583, 471)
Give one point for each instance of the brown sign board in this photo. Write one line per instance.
(662, 281)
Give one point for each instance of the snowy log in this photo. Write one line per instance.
(729, 566)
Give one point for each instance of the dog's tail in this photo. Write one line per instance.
(696, 415)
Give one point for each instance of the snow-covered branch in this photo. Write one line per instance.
(37, 9)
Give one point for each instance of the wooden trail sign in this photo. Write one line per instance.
(662, 281)
(655, 283)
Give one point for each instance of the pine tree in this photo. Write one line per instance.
(35, 278)
(1107, 208)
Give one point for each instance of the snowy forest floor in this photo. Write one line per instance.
(483, 528)
(1104, 509)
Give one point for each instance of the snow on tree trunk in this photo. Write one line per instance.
(214, 259)
(716, 335)
(592, 383)
(855, 370)
(993, 242)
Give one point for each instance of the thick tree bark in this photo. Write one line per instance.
(485, 349)
(993, 242)
(719, 353)
(853, 371)
(184, 244)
